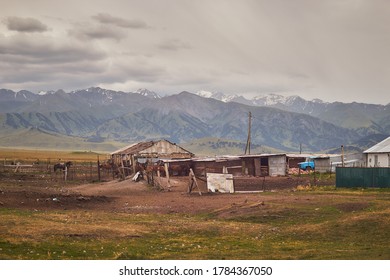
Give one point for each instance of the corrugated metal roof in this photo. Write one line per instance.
(261, 155)
(140, 147)
(299, 155)
(216, 158)
(381, 147)
(133, 147)
(326, 156)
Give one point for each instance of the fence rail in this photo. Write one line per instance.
(79, 171)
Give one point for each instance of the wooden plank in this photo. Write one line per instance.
(167, 175)
(257, 167)
(193, 182)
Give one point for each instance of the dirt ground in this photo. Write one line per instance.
(137, 197)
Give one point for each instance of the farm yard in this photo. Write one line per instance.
(43, 216)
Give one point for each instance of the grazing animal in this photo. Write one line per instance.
(62, 166)
(108, 164)
(153, 168)
(140, 167)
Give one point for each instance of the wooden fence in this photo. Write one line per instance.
(78, 171)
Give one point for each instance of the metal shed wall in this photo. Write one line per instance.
(277, 165)
(325, 164)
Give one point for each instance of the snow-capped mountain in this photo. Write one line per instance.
(292, 103)
(42, 92)
(274, 99)
(147, 93)
(96, 113)
(217, 95)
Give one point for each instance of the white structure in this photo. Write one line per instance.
(277, 165)
(378, 155)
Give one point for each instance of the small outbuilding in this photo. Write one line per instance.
(326, 163)
(378, 155)
(129, 156)
(252, 165)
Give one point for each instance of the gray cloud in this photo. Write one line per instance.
(25, 24)
(87, 32)
(173, 45)
(333, 50)
(120, 22)
(44, 50)
(37, 64)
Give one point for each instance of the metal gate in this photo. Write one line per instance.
(352, 177)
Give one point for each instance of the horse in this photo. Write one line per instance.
(153, 168)
(181, 169)
(62, 166)
(140, 167)
(107, 165)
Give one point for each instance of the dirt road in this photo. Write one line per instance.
(135, 197)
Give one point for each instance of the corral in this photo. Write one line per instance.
(80, 171)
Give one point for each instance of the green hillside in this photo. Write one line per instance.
(36, 138)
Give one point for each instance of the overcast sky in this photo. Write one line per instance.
(332, 50)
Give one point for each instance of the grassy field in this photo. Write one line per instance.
(28, 155)
(27, 138)
(337, 224)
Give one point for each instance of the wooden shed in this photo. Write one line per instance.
(252, 165)
(127, 157)
(244, 173)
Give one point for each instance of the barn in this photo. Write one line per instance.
(128, 157)
(378, 155)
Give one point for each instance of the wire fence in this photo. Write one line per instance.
(91, 171)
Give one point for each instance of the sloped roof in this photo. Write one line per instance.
(136, 148)
(121, 150)
(139, 148)
(381, 147)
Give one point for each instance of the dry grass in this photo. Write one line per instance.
(22, 155)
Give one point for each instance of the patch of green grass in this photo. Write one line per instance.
(309, 225)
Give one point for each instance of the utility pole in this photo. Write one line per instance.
(248, 141)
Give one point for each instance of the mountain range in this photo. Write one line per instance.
(98, 115)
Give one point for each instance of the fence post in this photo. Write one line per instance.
(167, 175)
(98, 167)
(66, 173)
(90, 171)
